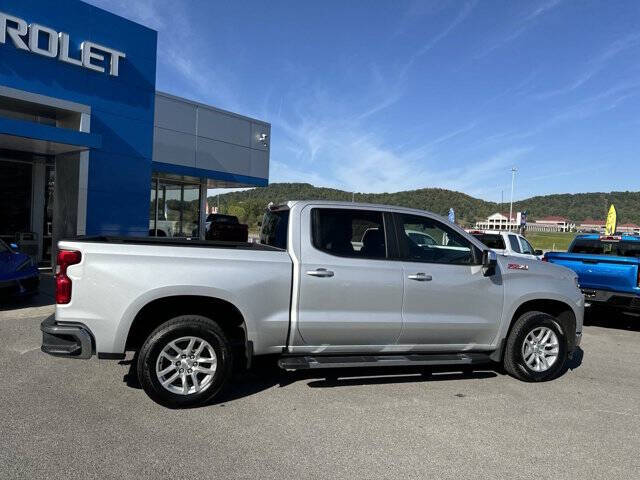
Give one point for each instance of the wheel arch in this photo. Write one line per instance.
(159, 310)
(559, 309)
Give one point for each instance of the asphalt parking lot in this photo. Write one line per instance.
(89, 419)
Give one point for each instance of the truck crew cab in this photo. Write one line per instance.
(330, 285)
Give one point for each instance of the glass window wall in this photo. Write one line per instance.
(174, 209)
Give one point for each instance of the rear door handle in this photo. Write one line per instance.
(320, 272)
(420, 277)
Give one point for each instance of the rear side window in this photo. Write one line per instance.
(349, 233)
(515, 246)
(492, 241)
(274, 228)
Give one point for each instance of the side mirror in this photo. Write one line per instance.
(14, 246)
(489, 262)
(538, 252)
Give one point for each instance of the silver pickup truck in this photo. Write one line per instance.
(329, 285)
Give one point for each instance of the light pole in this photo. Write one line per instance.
(513, 179)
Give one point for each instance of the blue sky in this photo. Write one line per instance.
(387, 96)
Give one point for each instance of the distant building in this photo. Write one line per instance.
(500, 221)
(598, 226)
(591, 225)
(551, 224)
(629, 228)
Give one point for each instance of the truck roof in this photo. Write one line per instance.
(303, 203)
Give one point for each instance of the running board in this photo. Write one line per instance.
(307, 362)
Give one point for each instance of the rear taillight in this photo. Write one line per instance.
(66, 258)
(638, 276)
(545, 259)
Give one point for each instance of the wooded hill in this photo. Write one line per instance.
(249, 205)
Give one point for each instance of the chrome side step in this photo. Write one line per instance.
(351, 361)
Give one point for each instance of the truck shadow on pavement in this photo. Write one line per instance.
(266, 374)
(599, 317)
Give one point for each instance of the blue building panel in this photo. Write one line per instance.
(21, 128)
(122, 107)
(121, 138)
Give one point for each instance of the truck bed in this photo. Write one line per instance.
(600, 272)
(173, 242)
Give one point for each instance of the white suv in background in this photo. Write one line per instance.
(507, 243)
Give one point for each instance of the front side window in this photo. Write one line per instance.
(515, 246)
(349, 233)
(526, 247)
(427, 240)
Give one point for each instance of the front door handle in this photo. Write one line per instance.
(320, 272)
(420, 277)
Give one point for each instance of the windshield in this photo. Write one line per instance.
(598, 247)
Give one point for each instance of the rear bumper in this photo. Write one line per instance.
(73, 341)
(625, 301)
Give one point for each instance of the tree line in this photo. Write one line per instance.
(249, 205)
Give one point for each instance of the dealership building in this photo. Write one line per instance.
(87, 144)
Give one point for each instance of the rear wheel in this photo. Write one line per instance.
(536, 348)
(185, 362)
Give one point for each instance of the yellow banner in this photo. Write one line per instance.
(612, 221)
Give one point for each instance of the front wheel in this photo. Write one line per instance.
(536, 348)
(185, 362)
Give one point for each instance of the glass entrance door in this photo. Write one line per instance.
(15, 198)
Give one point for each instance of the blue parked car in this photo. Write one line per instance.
(608, 269)
(19, 276)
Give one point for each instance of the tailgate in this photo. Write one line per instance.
(601, 272)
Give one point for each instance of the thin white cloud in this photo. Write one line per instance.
(466, 10)
(541, 9)
(521, 25)
(597, 104)
(342, 151)
(595, 66)
(462, 15)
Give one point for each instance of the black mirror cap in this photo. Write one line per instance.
(538, 252)
(489, 262)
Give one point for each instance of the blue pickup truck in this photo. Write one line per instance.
(608, 269)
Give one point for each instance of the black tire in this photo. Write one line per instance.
(182, 326)
(514, 362)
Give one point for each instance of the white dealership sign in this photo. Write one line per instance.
(31, 38)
